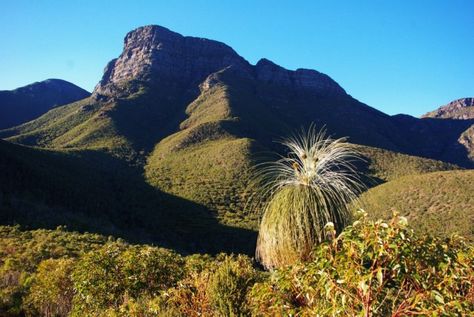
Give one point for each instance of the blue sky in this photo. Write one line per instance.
(397, 56)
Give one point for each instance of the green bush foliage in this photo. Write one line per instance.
(374, 269)
(51, 289)
(21, 252)
(230, 284)
(108, 278)
(219, 290)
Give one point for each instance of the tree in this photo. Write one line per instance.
(305, 196)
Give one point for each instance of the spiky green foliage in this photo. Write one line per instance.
(438, 204)
(302, 193)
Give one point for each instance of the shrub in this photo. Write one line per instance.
(149, 270)
(302, 193)
(218, 290)
(229, 285)
(374, 269)
(51, 289)
(116, 275)
(98, 281)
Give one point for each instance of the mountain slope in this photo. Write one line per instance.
(439, 203)
(144, 94)
(29, 102)
(194, 117)
(91, 191)
(458, 109)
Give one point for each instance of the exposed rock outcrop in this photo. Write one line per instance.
(461, 109)
(154, 52)
(300, 79)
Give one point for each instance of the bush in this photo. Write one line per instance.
(229, 285)
(116, 275)
(51, 290)
(219, 290)
(374, 269)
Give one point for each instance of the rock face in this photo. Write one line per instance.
(166, 55)
(461, 109)
(158, 53)
(301, 79)
(29, 102)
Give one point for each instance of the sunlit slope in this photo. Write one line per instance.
(125, 126)
(439, 203)
(229, 129)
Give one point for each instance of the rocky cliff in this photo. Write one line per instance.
(154, 52)
(458, 109)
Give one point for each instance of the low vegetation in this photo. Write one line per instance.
(437, 204)
(384, 166)
(373, 268)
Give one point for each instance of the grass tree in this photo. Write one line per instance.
(305, 195)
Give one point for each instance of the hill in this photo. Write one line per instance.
(188, 117)
(461, 109)
(437, 203)
(29, 102)
(383, 166)
(91, 191)
(164, 83)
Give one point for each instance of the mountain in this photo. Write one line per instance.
(29, 102)
(90, 191)
(439, 203)
(164, 83)
(461, 109)
(189, 118)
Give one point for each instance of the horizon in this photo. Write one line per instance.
(402, 58)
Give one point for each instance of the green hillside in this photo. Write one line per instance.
(201, 153)
(166, 157)
(93, 191)
(439, 203)
(383, 166)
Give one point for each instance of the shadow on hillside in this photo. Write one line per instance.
(436, 138)
(95, 192)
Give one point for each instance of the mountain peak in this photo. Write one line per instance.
(462, 108)
(28, 102)
(155, 51)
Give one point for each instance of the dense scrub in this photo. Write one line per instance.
(371, 269)
(437, 204)
(385, 166)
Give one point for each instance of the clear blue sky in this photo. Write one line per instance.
(398, 56)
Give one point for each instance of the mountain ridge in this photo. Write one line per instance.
(25, 103)
(461, 109)
(198, 136)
